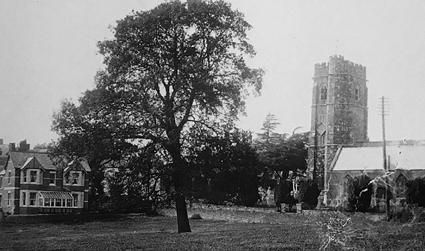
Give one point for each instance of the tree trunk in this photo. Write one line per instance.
(179, 165)
(182, 219)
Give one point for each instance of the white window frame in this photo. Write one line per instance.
(9, 198)
(38, 179)
(30, 176)
(35, 199)
(70, 178)
(40, 201)
(79, 203)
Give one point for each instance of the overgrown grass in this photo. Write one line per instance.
(281, 232)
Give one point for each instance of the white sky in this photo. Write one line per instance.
(48, 53)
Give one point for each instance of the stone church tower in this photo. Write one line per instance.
(338, 112)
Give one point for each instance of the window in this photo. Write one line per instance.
(58, 202)
(52, 178)
(69, 202)
(9, 198)
(47, 202)
(357, 93)
(24, 176)
(24, 198)
(74, 178)
(323, 93)
(75, 196)
(33, 199)
(33, 176)
(9, 177)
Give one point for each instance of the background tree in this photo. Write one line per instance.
(169, 69)
(280, 154)
(134, 182)
(226, 167)
(83, 132)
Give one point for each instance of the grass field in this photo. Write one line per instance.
(288, 232)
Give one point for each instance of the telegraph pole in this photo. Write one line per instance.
(384, 149)
(384, 153)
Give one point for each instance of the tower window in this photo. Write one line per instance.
(357, 93)
(323, 93)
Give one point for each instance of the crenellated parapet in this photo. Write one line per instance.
(338, 65)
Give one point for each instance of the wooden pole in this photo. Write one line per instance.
(384, 153)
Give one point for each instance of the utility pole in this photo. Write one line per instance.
(384, 153)
(325, 168)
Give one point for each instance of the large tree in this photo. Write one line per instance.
(173, 67)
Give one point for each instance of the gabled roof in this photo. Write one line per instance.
(80, 164)
(368, 158)
(32, 162)
(22, 159)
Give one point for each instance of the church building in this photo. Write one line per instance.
(339, 148)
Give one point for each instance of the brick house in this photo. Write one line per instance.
(30, 183)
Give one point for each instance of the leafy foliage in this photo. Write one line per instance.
(226, 168)
(169, 69)
(416, 191)
(134, 183)
(308, 193)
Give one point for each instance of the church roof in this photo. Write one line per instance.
(369, 158)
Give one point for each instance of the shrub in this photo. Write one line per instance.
(308, 193)
(416, 192)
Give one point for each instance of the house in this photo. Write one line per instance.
(31, 183)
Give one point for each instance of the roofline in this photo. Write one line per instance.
(388, 143)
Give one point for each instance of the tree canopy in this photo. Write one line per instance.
(167, 70)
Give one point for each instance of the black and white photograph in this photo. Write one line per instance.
(212, 125)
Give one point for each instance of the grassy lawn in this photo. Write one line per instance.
(288, 232)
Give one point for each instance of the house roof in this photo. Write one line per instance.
(42, 160)
(22, 159)
(82, 163)
(369, 158)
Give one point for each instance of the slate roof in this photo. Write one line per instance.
(369, 158)
(19, 159)
(82, 163)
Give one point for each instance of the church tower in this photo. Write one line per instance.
(338, 112)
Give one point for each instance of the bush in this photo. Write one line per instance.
(308, 193)
(416, 192)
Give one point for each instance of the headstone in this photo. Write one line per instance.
(299, 208)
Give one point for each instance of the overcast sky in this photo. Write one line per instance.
(48, 53)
